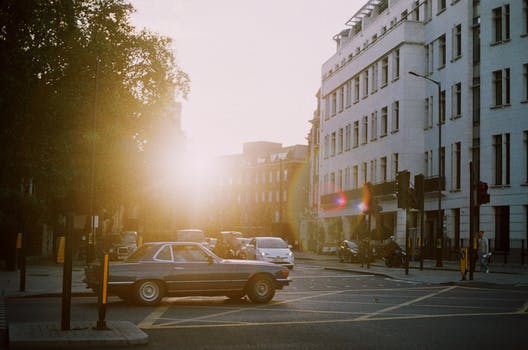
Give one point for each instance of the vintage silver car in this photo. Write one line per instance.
(160, 269)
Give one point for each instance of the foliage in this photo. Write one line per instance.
(77, 77)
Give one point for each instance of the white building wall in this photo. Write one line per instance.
(415, 137)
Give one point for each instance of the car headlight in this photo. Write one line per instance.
(263, 254)
(290, 253)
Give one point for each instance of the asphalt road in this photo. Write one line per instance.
(321, 310)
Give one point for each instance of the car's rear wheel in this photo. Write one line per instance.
(148, 292)
(261, 290)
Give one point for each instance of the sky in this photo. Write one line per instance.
(254, 65)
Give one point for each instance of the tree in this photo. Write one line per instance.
(76, 74)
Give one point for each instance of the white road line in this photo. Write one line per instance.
(364, 317)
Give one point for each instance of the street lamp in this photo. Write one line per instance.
(440, 238)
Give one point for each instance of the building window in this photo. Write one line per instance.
(441, 52)
(441, 6)
(526, 157)
(456, 166)
(507, 156)
(497, 157)
(364, 173)
(373, 166)
(333, 145)
(326, 146)
(429, 112)
(340, 141)
(442, 106)
(428, 10)
(341, 98)
(383, 169)
(374, 77)
(395, 165)
(457, 41)
(348, 137)
(442, 162)
(497, 25)
(507, 86)
(356, 89)
(416, 11)
(348, 94)
(364, 134)
(347, 179)
(340, 180)
(356, 134)
(525, 73)
(374, 125)
(334, 104)
(355, 177)
(456, 107)
(365, 83)
(332, 183)
(525, 23)
(395, 116)
(501, 24)
(384, 71)
(430, 58)
(396, 64)
(384, 122)
(501, 87)
(426, 164)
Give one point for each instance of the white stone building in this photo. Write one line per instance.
(376, 119)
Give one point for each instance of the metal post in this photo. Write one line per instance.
(439, 231)
(440, 237)
(472, 211)
(21, 261)
(67, 278)
(102, 295)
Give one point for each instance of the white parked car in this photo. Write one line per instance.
(271, 249)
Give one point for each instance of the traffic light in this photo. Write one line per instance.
(483, 196)
(402, 183)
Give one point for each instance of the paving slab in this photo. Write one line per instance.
(81, 335)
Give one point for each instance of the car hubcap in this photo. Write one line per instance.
(262, 288)
(149, 291)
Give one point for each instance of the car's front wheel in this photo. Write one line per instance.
(148, 292)
(261, 290)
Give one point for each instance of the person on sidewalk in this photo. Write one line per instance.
(483, 250)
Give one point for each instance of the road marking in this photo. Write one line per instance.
(406, 303)
(523, 308)
(148, 322)
(340, 277)
(346, 320)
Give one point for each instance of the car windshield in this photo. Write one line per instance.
(139, 253)
(351, 244)
(129, 237)
(271, 243)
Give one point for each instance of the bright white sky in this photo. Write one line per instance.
(254, 64)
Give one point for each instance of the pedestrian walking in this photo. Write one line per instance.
(483, 252)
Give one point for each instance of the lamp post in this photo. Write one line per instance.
(439, 238)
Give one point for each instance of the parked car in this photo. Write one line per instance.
(348, 251)
(272, 249)
(122, 244)
(160, 269)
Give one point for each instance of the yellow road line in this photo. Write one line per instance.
(148, 322)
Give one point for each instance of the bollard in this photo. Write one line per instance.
(103, 295)
(464, 262)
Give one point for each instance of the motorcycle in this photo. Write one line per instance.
(394, 255)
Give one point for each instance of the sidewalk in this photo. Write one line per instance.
(44, 278)
(449, 273)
